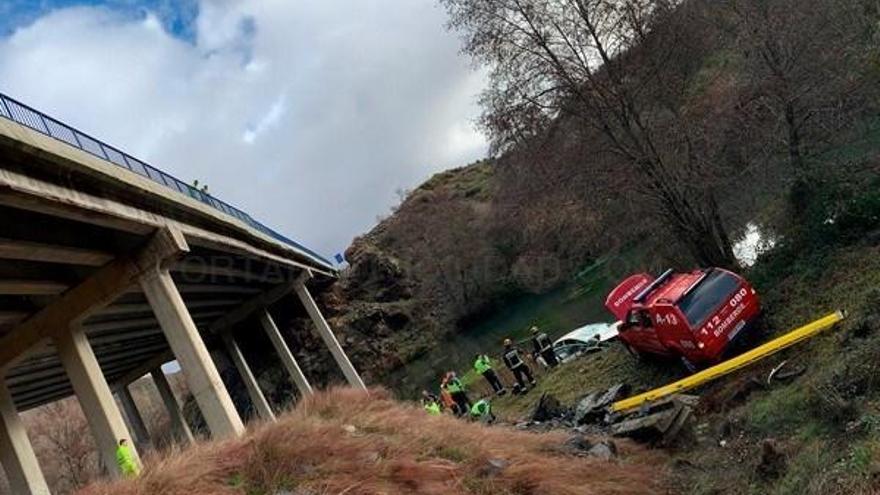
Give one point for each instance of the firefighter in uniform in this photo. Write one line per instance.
(543, 347)
(513, 361)
(483, 366)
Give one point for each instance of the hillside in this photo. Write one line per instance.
(343, 441)
(727, 134)
(447, 254)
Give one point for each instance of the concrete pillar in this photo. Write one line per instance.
(327, 335)
(261, 405)
(189, 349)
(16, 454)
(94, 395)
(135, 421)
(284, 353)
(178, 421)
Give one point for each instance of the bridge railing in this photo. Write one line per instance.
(25, 115)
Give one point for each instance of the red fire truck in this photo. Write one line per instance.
(690, 316)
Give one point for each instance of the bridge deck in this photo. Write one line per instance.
(70, 204)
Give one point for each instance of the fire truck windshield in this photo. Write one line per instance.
(715, 288)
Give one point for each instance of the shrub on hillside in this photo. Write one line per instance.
(344, 441)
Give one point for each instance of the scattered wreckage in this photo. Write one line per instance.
(659, 415)
(657, 422)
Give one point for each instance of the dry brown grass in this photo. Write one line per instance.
(392, 449)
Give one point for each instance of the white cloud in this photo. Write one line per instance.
(307, 114)
(269, 121)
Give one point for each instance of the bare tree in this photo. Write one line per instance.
(804, 65)
(62, 441)
(606, 63)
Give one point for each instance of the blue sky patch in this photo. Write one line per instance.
(178, 17)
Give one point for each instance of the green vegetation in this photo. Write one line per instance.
(825, 422)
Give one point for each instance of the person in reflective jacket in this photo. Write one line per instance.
(125, 459)
(483, 366)
(543, 347)
(513, 360)
(431, 403)
(456, 389)
(482, 411)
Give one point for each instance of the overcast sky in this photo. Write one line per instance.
(306, 114)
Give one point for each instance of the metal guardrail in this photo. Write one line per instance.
(27, 116)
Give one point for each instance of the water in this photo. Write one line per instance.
(557, 313)
(753, 243)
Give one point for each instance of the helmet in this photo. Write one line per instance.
(534, 329)
(508, 342)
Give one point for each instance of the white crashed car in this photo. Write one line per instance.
(584, 340)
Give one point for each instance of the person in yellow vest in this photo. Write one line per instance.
(431, 403)
(455, 387)
(125, 459)
(483, 366)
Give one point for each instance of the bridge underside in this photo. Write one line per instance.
(107, 273)
(42, 256)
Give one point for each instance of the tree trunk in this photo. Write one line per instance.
(795, 157)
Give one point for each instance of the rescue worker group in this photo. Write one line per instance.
(453, 394)
(453, 397)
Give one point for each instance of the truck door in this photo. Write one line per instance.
(673, 332)
(644, 332)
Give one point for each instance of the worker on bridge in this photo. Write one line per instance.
(456, 389)
(514, 362)
(483, 366)
(125, 459)
(543, 347)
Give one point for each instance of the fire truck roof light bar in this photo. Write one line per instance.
(696, 282)
(653, 285)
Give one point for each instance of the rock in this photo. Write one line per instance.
(606, 450)
(581, 445)
(773, 462)
(350, 428)
(493, 467)
(547, 408)
(577, 444)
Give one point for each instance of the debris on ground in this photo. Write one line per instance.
(592, 408)
(657, 422)
(548, 408)
(779, 373)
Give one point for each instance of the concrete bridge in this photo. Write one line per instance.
(110, 268)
